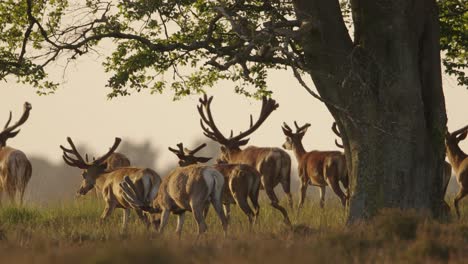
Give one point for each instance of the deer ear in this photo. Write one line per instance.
(462, 136)
(223, 148)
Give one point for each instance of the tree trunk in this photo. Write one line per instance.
(388, 89)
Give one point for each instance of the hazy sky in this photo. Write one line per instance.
(81, 110)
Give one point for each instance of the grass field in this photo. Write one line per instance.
(71, 233)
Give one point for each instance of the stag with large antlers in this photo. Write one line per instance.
(97, 174)
(241, 181)
(273, 164)
(317, 168)
(189, 188)
(459, 161)
(15, 168)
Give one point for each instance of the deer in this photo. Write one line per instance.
(317, 168)
(273, 164)
(97, 174)
(445, 182)
(459, 161)
(115, 160)
(189, 188)
(241, 181)
(15, 167)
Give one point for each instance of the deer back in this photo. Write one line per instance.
(312, 165)
(117, 160)
(238, 178)
(255, 156)
(146, 181)
(185, 184)
(14, 167)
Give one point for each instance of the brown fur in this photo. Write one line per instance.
(274, 166)
(241, 182)
(317, 168)
(15, 173)
(186, 189)
(116, 160)
(15, 168)
(459, 161)
(108, 182)
(98, 174)
(445, 182)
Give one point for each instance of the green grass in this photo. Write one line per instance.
(71, 233)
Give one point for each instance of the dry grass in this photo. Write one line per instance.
(71, 233)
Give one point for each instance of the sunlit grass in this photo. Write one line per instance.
(71, 232)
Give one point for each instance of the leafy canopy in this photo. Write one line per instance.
(193, 42)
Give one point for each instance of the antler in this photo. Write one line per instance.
(8, 130)
(73, 162)
(289, 132)
(210, 130)
(337, 132)
(179, 152)
(182, 152)
(459, 131)
(268, 106)
(300, 129)
(192, 152)
(79, 161)
(208, 120)
(110, 152)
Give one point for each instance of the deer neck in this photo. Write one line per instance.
(299, 150)
(455, 155)
(234, 154)
(101, 180)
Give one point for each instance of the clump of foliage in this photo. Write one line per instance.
(185, 46)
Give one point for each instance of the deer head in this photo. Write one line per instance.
(91, 170)
(233, 143)
(452, 140)
(187, 156)
(9, 131)
(294, 138)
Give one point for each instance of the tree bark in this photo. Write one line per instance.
(387, 84)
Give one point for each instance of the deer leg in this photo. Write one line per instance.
(199, 218)
(337, 190)
(275, 203)
(242, 202)
(21, 195)
(461, 193)
(217, 205)
(180, 224)
(107, 212)
(303, 194)
(125, 216)
(227, 211)
(323, 190)
(253, 195)
(142, 216)
(286, 184)
(206, 210)
(11, 195)
(164, 220)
